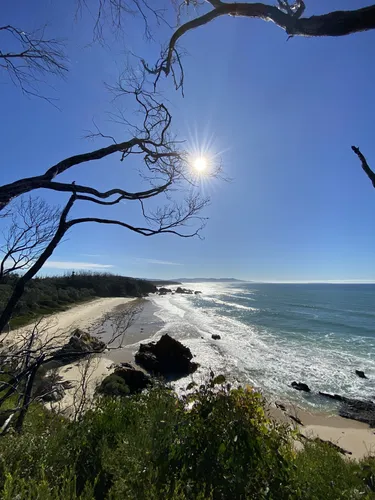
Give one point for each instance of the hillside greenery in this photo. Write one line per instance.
(215, 443)
(53, 293)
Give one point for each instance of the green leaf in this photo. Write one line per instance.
(220, 379)
(222, 448)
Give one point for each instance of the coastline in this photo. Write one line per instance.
(355, 437)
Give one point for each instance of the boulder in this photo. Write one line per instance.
(80, 344)
(197, 292)
(300, 386)
(164, 291)
(215, 336)
(167, 357)
(135, 380)
(360, 373)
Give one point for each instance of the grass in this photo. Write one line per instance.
(215, 443)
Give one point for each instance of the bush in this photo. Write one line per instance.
(215, 443)
(113, 385)
(322, 473)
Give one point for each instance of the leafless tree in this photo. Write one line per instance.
(166, 169)
(34, 354)
(32, 224)
(82, 397)
(166, 220)
(29, 57)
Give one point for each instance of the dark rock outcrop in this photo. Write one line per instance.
(197, 292)
(80, 344)
(355, 409)
(331, 396)
(215, 336)
(360, 373)
(300, 386)
(184, 290)
(125, 376)
(167, 357)
(164, 291)
(363, 411)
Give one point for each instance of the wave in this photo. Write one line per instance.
(265, 357)
(234, 304)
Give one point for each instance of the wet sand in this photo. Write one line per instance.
(143, 328)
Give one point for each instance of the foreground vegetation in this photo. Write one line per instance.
(213, 444)
(54, 293)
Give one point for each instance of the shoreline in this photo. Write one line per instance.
(351, 435)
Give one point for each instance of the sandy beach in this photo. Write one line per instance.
(56, 329)
(355, 437)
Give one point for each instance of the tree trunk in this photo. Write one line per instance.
(21, 283)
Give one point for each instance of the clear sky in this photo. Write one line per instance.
(283, 113)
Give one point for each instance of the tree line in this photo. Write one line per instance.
(48, 294)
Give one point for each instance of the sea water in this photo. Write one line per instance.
(274, 334)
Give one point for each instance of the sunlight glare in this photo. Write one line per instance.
(200, 164)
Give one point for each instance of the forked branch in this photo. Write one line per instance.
(287, 17)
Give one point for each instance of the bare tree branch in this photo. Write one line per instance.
(30, 57)
(161, 155)
(33, 224)
(111, 14)
(365, 166)
(286, 16)
(36, 266)
(37, 350)
(165, 220)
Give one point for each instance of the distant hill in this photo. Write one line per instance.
(204, 280)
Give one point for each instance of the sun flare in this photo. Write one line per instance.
(200, 164)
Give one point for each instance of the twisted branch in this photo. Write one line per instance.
(288, 17)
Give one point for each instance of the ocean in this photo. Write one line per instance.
(274, 334)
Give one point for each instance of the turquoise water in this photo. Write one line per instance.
(273, 334)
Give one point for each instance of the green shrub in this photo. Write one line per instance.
(113, 385)
(322, 473)
(215, 443)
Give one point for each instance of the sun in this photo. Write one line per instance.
(200, 164)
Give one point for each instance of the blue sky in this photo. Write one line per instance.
(284, 115)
